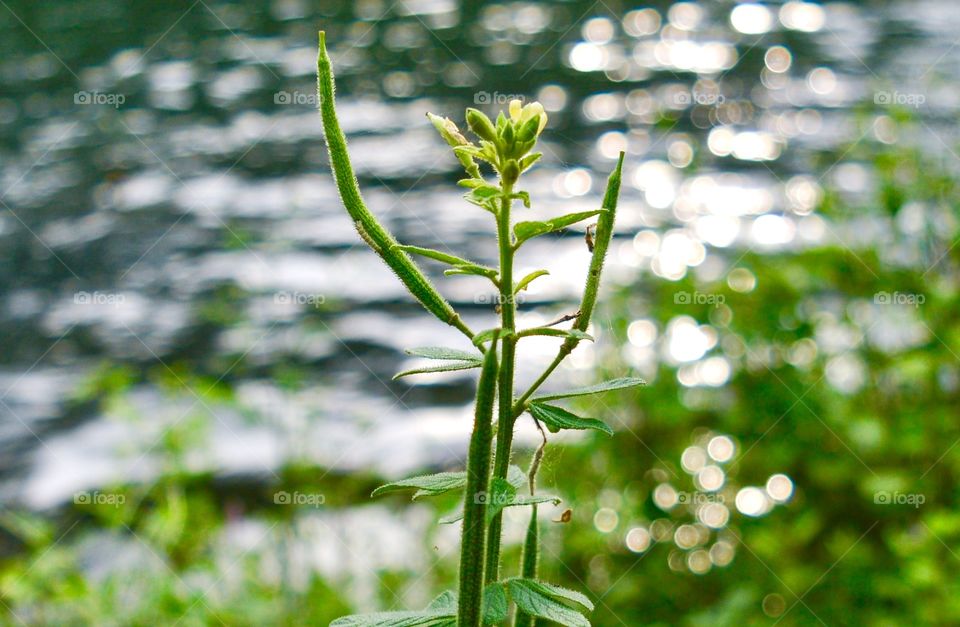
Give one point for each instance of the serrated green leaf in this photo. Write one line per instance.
(529, 160)
(444, 353)
(606, 386)
(550, 331)
(531, 597)
(495, 604)
(426, 485)
(557, 593)
(484, 196)
(557, 418)
(445, 601)
(527, 230)
(399, 619)
(450, 366)
(527, 280)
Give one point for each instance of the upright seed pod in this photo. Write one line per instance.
(476, 495)
(601, 242)
(372, 232)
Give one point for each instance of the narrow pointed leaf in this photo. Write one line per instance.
(471, 268)
(606, 386)
(447, 258)
(577, 599)
(527, 280)
(441, 352)
(551, 332)
(524, 197)
(487, 335)
(426, 485)
(503, 494)
(427, 618)
(450, 366)
(557, 418)
(527, 230)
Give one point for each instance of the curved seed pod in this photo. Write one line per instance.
(601, 241)
(372, 232)
(470, 611)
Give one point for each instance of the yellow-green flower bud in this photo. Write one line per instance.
(511, 172)
(481, 125)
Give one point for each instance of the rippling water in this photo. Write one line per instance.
(166, 201)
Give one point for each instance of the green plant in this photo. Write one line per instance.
(490, 482)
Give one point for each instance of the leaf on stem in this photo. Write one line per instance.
(524, 197)
(557, 418)
(428, 618)
(472, 268)
(606, 386)
(426, 485)
(527, 280)
(487, 335)
(549, 602)
(446, 600)
(527, 230)
(495, 603)
(504, 493)
(550, 331)
(451, 366)
(562, 595)
(444, 353)
(460, 265)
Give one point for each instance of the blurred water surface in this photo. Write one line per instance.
(168, 218)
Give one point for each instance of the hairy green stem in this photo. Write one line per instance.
(531, 559)
(369, 228)
(473, 543)
(505, 418)
(588, 301)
